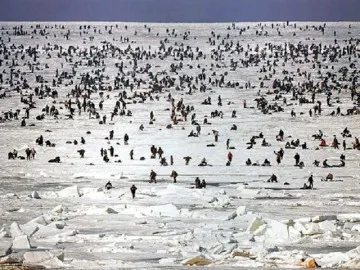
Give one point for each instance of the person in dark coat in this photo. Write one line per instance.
(160, 152)
(273, 178)
(203, 183)
(248, 162)
(108, 185)
(197, 183)
(311, 182)
(111, 151)
(187, 159)
(54, 160)
(297, 159)
(133, 190)
(153, 176)
(81, 152)
(171, 160)
(126, 139)
(174, 174)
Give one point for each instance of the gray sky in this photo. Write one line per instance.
(180, 10)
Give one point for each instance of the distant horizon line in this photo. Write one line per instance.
(190, 22)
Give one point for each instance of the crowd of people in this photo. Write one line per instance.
(66, 96)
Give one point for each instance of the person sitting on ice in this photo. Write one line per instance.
(325, 164)
(163, 162)
(233, 127)
(108, 185)
(81, 152)
(55, 160)
(203, 162)
(266, 162)
(329, 177)
(272, 179)
(316, 163)
(356, 143)
(322, 143)
(192, 134)
(304, 145)
(342, 164)
(248, 162)
(346, 132)
(320, 134)
(11, 155)
(280, 136)
(265, 143)
(203, 183)
(306, 186)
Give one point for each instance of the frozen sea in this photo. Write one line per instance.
(168, 223)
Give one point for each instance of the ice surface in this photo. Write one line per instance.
(239, 220)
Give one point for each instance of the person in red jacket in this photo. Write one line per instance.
(230, 156)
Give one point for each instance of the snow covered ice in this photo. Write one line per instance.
(59, 215)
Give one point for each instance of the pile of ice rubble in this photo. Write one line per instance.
(240, 238)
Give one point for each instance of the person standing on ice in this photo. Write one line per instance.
(28, 153)
(216, 135)
(311, 182)
(126, 139)
(33, 153)
(160, 152)
(278, 157)
(153, 176)
(111, 151)
(174, 174)
(171, 160)
(133, 190)
(197, 183)
(198, 129)
(187, 160)
(230, 156)
(335, 143)
(297, 159)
